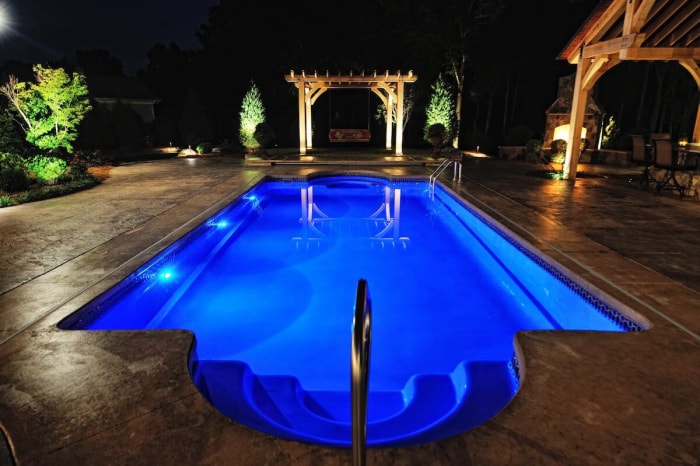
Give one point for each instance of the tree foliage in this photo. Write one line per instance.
(408, 105)
(13, 176)
(252, 113)
(195, 124)
(441, 109)
(11, 137)
(50, 110)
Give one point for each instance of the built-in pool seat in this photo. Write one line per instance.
(430, 407)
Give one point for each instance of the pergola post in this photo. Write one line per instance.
(307, 113)
(301, 91)
(389, 103)
(399, 118)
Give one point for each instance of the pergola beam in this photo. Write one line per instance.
(660, 53)
(610, 46)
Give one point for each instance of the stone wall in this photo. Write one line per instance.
(608, 156)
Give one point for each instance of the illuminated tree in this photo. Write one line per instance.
(441, 109)
(611, 132)
(252, 113)
(50, 110)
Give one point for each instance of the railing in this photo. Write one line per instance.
(445, 163)
(361, 338)
(456, 161)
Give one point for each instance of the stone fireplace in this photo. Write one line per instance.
(559, 114)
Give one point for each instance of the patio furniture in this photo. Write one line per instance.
(666, 171)
(641, 156)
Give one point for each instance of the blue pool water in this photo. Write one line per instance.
(267, 285)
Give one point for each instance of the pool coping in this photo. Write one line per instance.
(635, 395)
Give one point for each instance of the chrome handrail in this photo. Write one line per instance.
(454, 158)
(361, 338)
(441, 168)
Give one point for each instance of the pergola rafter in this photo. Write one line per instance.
(638, 30)
(389, 88)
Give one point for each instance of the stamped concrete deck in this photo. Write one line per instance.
(125, 398)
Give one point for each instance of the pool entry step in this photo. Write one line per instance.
(430, 407)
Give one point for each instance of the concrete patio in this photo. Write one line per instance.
(126, 398)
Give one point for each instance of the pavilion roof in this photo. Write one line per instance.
(656, 30)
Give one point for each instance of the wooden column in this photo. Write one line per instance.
(301, 86)
(309, 129)
(399, 117)
(389, 120)
(578, 108)
(694, 70)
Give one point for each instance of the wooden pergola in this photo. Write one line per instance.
(389, 88)
(638, 30)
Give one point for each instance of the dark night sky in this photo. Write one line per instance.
(46, 30)
(39, 31)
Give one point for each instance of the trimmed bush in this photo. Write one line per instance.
(438, 131)
(558, 150)
(533, 149)
(264, 134)
(13, 176)
(48, 192)
(47, 169)
(203, 148)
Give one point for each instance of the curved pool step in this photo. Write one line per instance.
(490, 386)
(429, 408)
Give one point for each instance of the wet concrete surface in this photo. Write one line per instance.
(118, 398)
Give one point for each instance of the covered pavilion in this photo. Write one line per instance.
(638, 30)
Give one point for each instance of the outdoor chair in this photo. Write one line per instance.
(667, 172)
(641, 157)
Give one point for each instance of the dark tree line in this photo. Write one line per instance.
(499, 54)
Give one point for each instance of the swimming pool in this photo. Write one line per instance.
(267, 285)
